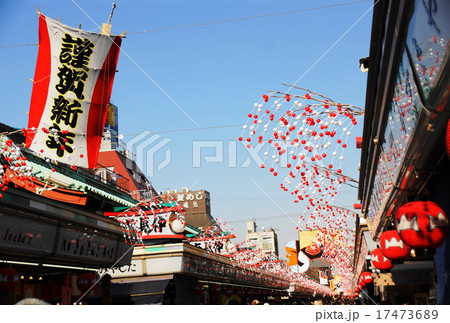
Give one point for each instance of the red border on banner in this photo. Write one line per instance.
(41, 81)
(100, 100)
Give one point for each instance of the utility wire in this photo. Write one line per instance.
(23, 45)
(247, 18)
(223, 21)
(191, 129)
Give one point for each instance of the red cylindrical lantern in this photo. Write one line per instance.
(249, 292)
(392, 246)
(216, 289)
(421, 224)
(366, 277)
(240, 291)
(8, 279)
(198, 288)
(86, 281)
(229, 291)
(379, 261)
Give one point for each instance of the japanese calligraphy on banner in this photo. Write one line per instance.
(71, 92)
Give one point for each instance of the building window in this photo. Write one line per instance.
(267, 243)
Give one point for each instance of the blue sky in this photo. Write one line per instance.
(214, 73)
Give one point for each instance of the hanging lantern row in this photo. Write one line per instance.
(364, 279)
(419, 224)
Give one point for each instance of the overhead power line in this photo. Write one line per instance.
(191, 129)
(6, 46)
(224, 21)
(247, 18)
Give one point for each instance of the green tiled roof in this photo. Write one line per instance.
(41, 171)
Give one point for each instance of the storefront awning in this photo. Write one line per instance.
(142, 291)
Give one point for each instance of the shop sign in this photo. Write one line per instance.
(26, 235)
(150, 225)
(192, 201)
(84, 246)
(131, 270)
(214, 246)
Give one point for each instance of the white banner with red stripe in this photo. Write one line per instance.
(71, 92)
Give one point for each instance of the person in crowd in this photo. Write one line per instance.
(32, 301)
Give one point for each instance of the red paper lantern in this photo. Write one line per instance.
(240, 292)
(392, 246)
(86, 281)
(379, 261)
(229, 291)
(216, 289)
(198, 288)
(421, 224)
(8, 279)
(366, 277)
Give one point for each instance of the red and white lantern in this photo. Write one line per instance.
(216, 289)
(198, 288)
(240, 292)
(366, 277)
(86, 281)
(392, 246)
(229, 291)
(421, 224)
(379, 261)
